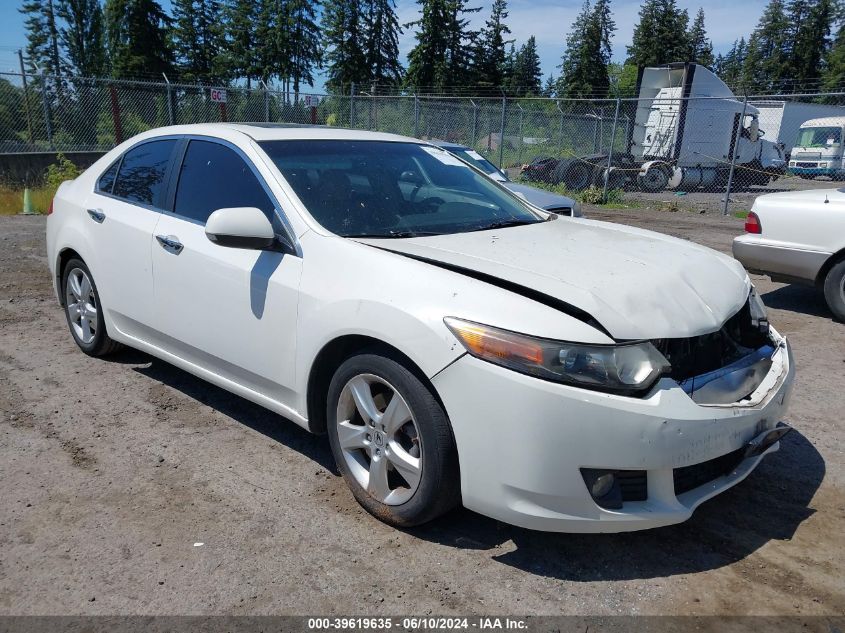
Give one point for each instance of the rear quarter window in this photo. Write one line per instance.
(140, 177)
(106, 181)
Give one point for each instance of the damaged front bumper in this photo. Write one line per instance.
(523, 444)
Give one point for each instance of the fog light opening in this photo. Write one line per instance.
(603, 486)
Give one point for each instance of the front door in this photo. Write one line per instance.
(231, 311)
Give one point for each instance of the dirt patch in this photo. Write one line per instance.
(113, 470)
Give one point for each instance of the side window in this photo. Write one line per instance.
(106, 181)
(141, 175)
(213, 177)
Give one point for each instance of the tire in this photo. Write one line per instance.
(616, 178)
(578, 176)
(654, 179)
(400, 496)
(86, 323)
(834, 290)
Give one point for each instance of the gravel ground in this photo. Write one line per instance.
(742, 197)
(130, 487)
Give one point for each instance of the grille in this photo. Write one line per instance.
(807, 164)
(691, 477)
(699, 355)
(634, 483)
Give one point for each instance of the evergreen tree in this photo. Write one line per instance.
(345, 43)
(382, 43)
(137, 38)
(700, 46)
(549, 87)
(270, 57)
(442, 57)
(660, 36)
(491, 56)
(426, 65)
(82, 36)
(833, 77)
(766, 66)
(238, 58)
(302, 47)
(527, 75)
(584, 65)
(810, 25)
(42, 36)
(197, 37)
(729, 67)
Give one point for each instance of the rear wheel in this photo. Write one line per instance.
(834, 290)
(83, 310)
(391, 441)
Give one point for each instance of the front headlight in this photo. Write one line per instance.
(624, 369)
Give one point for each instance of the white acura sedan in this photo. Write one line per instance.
(457, 344)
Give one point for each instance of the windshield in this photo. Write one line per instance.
(476, 160)
(388, 189)
(819, 136)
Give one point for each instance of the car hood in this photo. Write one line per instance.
(635, 283)
(540, 198)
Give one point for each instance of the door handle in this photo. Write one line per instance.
(97, 215)
(170, 243)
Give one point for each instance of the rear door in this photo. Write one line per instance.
(123, 211)
(231, 311)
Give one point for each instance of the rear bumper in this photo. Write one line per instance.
(779, 260)
(522, 443)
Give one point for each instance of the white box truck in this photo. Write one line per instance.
(818, 149)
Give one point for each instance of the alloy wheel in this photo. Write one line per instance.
(379, 439)
(81, 305)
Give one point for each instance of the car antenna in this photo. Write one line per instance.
(826, 201)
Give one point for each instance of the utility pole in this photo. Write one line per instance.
(25, 97)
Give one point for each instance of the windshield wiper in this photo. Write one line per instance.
(503, 224)
(393, 234)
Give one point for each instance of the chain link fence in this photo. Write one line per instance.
(671, 152)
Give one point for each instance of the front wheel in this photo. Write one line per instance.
(834, 290)
(392, 441)
(83, 310)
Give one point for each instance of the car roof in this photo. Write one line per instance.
(283, 131)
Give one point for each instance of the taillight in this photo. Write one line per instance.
(752, 224)
(50, 208)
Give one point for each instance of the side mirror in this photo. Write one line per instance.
(754, 131)
(240, 227)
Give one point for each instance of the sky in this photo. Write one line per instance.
(548, 20)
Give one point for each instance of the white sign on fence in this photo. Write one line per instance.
(218, 95)
(312, 100)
